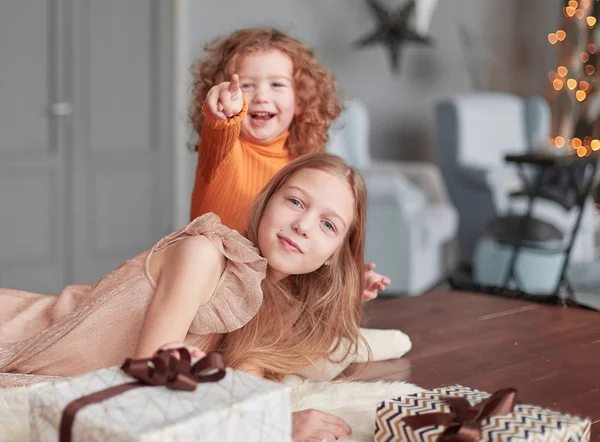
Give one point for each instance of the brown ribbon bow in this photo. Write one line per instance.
(163, 369)
(463, 424)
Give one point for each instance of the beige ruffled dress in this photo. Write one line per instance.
(88, 327)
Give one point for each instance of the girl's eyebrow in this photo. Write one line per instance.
(330, 212)
(300, 190)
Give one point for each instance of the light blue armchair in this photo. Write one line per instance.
(474, 132)
(410, 220)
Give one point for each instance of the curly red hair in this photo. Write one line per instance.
(314, 86)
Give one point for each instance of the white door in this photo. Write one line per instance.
(32, 147)
(121, 131)
(85, 129)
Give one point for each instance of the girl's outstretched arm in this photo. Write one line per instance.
(216, 142)
(188, 272)
(224, 109)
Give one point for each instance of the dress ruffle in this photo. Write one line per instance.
(238, 294)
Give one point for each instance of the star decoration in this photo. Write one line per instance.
(392, 30)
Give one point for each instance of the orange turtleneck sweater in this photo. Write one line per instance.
(231, 170)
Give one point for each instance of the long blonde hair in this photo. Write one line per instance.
(308, 317)
(314, 86)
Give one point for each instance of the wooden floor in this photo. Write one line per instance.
(550, 354)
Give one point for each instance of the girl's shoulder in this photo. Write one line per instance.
(238, 294)
(226, 240)
(211, 226)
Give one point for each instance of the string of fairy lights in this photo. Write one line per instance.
(575, 80)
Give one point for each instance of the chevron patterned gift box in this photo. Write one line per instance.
(457, 413)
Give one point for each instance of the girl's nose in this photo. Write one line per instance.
(261, 95)
(300, 228)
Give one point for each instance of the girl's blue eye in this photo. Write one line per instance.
(295, 202)
(246, 85)
(329, 225)
(278, 85)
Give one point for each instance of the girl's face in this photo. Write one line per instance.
(267, 81)
(305, 222)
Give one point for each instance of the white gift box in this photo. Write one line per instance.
(239, 407)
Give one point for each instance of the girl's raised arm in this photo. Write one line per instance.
(220, 131)
(188, 274)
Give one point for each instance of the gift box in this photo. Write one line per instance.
(458, 413)
(160, 404)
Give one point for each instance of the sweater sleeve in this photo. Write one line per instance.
(216, 142)
(217, 139)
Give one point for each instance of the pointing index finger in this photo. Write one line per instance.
(234, 85)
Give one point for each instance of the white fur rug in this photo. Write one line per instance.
(355, 402)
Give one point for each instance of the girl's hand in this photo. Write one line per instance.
(374, 282)
(195, 352)
(316, 426)
(225, 99)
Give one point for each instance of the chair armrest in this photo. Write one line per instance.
(395, 191)
(425, 175)
(474, 175)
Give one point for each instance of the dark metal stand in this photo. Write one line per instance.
(577, 176)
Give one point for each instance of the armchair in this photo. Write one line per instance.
(474, 132)
(410, 220)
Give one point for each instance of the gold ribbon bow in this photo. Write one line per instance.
(463, 424)
(163, 369)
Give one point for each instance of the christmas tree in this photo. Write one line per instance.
(573, 98)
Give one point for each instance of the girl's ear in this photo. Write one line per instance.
(298, 110)
(331, 258)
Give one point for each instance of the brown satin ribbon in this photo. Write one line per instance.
(463, 424)
(164, 369)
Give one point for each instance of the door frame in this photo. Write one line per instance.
(182, 79)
